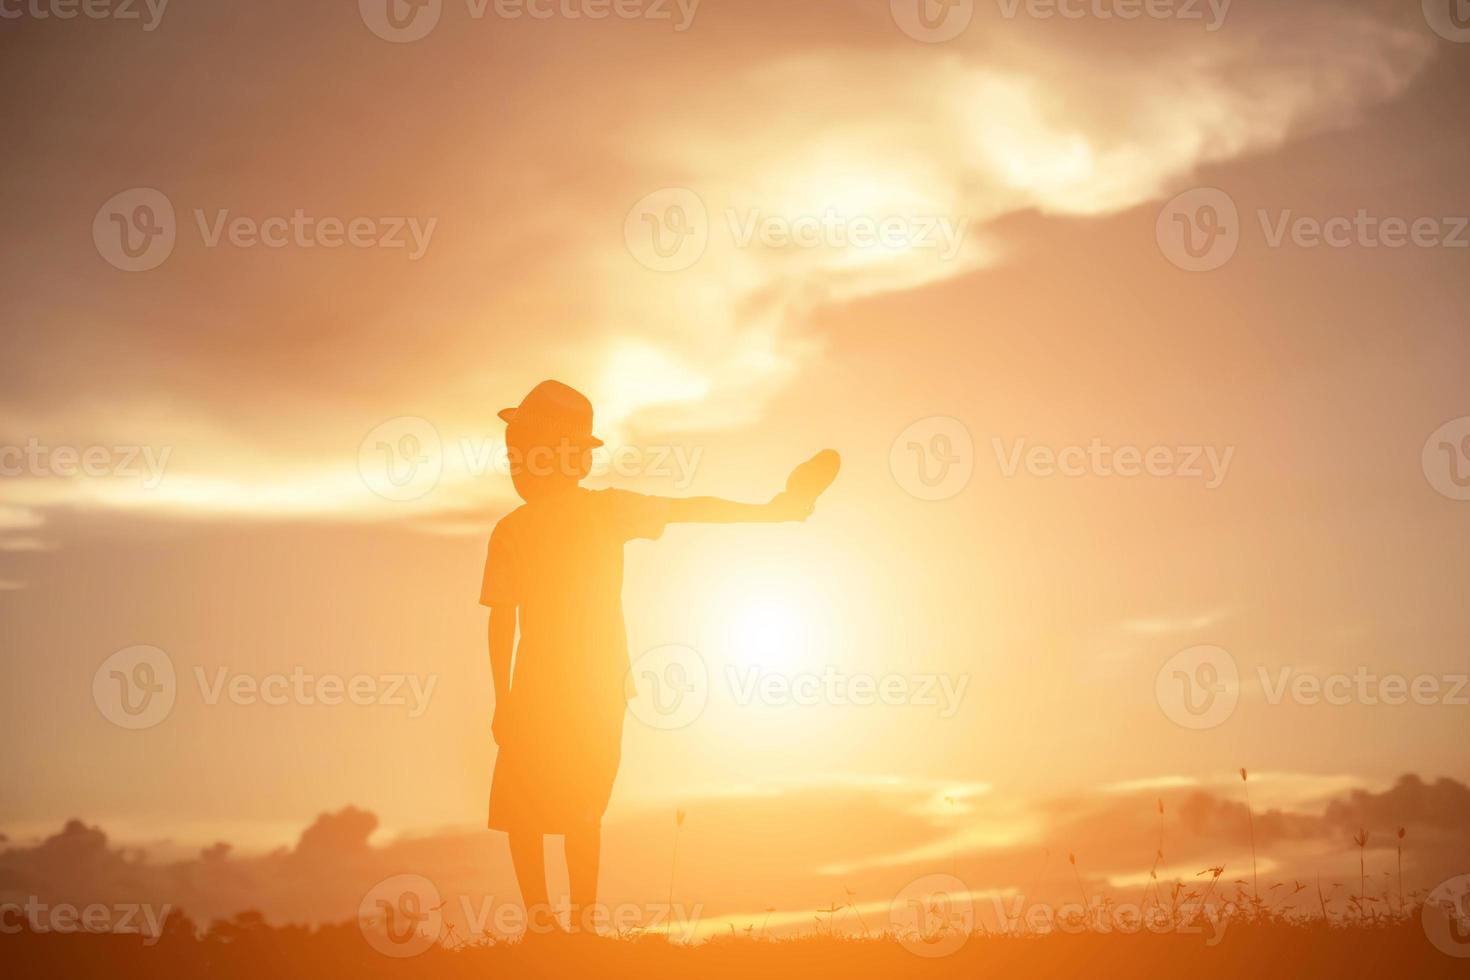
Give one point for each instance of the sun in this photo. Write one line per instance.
(770, 631)
(772, 619)
(783, 607)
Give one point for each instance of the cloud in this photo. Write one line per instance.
(18, 544)
(18, 519)
(1441, 805)
(834, 116)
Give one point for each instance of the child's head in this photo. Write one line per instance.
(549, 440)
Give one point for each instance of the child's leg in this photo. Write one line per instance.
(584, 855)
(528, 856)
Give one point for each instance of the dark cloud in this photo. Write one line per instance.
(1211, 818)
(336, 835)
(1441, 805)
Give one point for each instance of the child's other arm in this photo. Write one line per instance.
(502, 639)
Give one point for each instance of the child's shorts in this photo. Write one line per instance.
(558, 778)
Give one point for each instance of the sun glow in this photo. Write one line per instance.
(770, 631)
(772, 618)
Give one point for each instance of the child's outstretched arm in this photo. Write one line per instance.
(803, 487)
(718, 510)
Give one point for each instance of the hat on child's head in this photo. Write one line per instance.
(555, 409)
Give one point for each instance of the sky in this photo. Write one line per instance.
(1154, 432)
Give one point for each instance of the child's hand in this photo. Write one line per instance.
(789, 507)
(805, 484)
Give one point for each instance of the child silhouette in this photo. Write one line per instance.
(555, 568)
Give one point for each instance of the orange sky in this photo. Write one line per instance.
(1034, 155)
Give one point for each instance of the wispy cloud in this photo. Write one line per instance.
(21, 544)
(1162, 625)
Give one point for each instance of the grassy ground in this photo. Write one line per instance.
(1246, 952)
